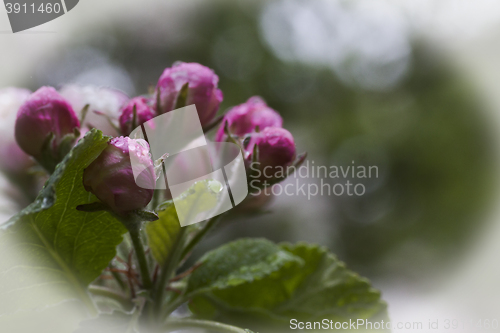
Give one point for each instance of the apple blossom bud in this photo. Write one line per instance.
(111, 179)
(13, 160)
(46, 113)
(244, 118)
(143, 114)
(202, 89)
(276, 151)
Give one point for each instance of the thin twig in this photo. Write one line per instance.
(155, 272)
(131, 274)
(175, 290)
(117, 270)
(119, 259)
(118, 279)
(186, 273)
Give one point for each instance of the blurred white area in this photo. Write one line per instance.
(365, 42)
(372, 36)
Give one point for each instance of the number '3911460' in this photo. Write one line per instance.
(32, 8)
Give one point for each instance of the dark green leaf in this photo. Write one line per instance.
(255, 262)
(51, 251)
(330, 289)
(316, 285)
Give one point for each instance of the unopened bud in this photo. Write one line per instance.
(201, 90)
(111, 179)
(45, 122)
(276, 151)
(13, 160)
(143, 113)
(245, 118)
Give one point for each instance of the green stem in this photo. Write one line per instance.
(175, 324)
(178, 256)
(141, 258)
(106, 292)
(199, 236)
(174, 305)
(168, 270)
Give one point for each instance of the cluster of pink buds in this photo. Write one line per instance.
(49, 123)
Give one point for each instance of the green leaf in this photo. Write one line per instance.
(330, 290)
(201, 197)
(115, 322)
(256, 262)
(315, 286)
(163, 232)
(50, 251)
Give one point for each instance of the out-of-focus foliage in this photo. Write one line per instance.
(254, 281)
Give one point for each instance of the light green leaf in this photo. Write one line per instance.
(315, 287)
(163, 232)
(201, 197)
(50, 251)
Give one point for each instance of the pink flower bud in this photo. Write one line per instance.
(13, 160)
(111, 179)
(143, 114)
(44, 112)
(202, 89)
(244, 118)
(276, 151)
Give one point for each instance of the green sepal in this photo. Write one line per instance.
(182, 96)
